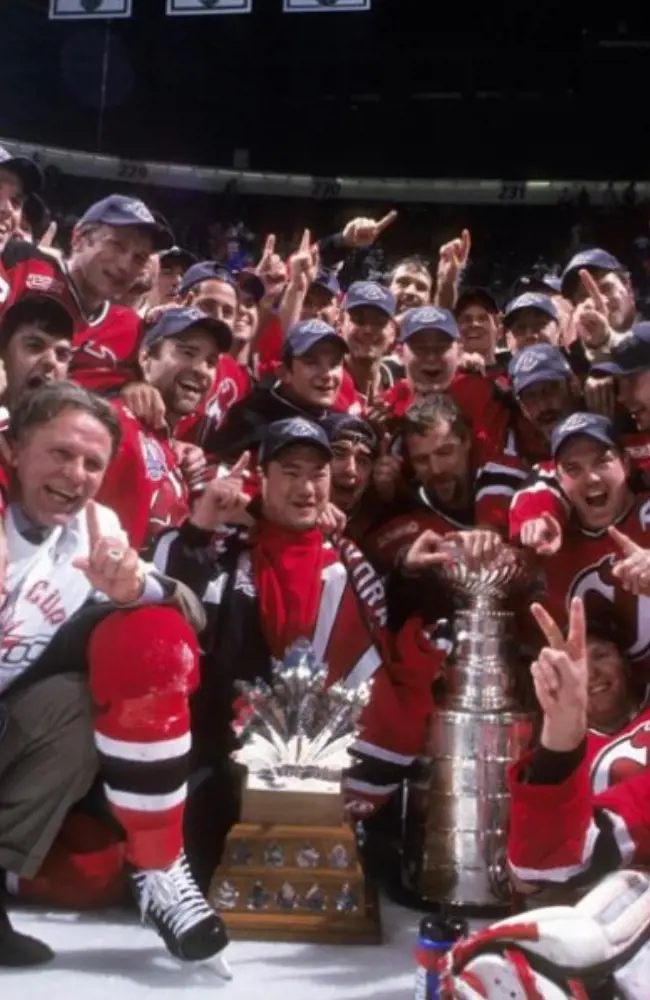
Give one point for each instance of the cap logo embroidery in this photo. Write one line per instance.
(315, 326)
(428, 314)
(301, 428)
(139, 209)
(529, 361)
(372, 292)
(577, 422)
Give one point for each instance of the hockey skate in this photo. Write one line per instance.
(172, 903)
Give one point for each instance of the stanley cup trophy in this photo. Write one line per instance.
(456, 808)
(290, 869)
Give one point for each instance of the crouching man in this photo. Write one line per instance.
(96, 668)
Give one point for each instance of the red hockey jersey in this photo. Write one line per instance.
(105, 344)
(613, 758)
(542, 493)
(589, 835)
(583, 568)
(388, 543)
(144, 484)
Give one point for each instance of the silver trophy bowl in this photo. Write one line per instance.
(456, 807)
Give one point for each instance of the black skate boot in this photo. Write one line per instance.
(19, 951)
(171, 901)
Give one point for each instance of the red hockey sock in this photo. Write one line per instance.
(143, 667)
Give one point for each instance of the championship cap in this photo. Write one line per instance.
(120, 210)
(428, 318)
(590, 425)
(179, 319)
(369, 293)
(530, 300)
(206, 270)
(304, 335)
(539, 363)
(596, 259)
(296, 430)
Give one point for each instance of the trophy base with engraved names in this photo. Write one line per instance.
(291, 872)
(290, 869)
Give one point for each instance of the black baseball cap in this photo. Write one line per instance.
(178, 255)
(590, 425)
(476, 297)
(179, 319)
(120, 210)
(29, 172)
(296, 430)
(37, 309)
(207, 270)
(347, 427)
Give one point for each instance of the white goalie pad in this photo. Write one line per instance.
(561, 951)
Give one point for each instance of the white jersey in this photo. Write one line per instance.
(44, 589)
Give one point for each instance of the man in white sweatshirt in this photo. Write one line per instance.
(96, 668)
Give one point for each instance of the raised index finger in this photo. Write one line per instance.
(92, 520)
(386, 221)
(592, 289)
(305, 242)
(549, 626)
(240, 466)
(625, 544)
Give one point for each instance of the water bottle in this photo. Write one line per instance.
(438, 933)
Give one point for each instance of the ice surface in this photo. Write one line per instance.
(108, 956)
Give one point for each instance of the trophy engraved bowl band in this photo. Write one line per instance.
(456, 809)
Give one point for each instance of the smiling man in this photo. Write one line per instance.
(313, 354)
(111, 244)
(145, 483)
(78, 627)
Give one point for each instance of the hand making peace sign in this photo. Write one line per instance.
(112, 566)
(560, 676)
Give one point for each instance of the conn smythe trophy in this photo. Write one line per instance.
(290, 868)
(456, 814)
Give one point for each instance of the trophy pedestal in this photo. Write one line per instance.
(294, 881)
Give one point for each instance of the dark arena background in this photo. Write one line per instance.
(404, 90)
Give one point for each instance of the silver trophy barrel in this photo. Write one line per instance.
(477, 680)
(456, 809)
(467, 806)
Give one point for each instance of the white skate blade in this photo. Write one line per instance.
(221, 966)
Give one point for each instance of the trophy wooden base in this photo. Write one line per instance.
(294, 882)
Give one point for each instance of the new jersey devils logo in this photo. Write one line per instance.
(624, 758)
(605, 600)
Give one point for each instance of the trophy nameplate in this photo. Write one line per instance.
(290, 868)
